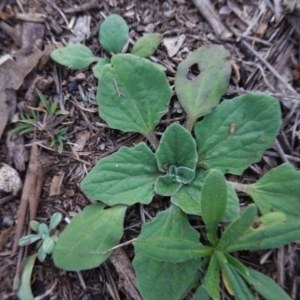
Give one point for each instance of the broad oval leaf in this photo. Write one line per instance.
(172, 249)
(34, 225)
(98, 68)
(188, 198)
(201, 294)
(265, 286)
(166, 186)
(48, 245)
(278, 190)
(85, 242)
(270, 231)
(55, 220)
(165, 280)
(213, 202)
(177, 148)
(237, 132)
(125, 177)
(199, 95)
(114, 34)
(133, 94)
(146, 45)
(75, 57)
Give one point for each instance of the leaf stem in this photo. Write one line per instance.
(239, 187)
(152, 139)
(189, 124)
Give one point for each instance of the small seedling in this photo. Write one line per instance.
(47, 241)
(46, 244)
(44, 120)
(188, 165)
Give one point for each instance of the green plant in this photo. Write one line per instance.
(114, 38)
(45, 122)
(187, 164)
(46, 242)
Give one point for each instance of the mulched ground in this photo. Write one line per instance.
(263, 42)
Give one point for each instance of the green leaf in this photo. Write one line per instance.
(237, 132)
(278, 190)
(45, 102)
(238, 286)
(166, 186)
(29, 239)
(165, 280)
(199, 95)
(265, 286)
(42, 254)
(24, 292)
(75, 57)
(177, 148)
(237, 228)
(125, 177)
(55, 220)
(236, 264)
(43, 229)
(48, 245)
(133, 94)
(34, 225)
(212, 278)
(201, 294)
(146, 45)
(272, 230)
(114, 34)
(213, 202)
(98, 68)
(174, 250)
(85, 241)
(188, 198)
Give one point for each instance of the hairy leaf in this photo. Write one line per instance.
(265, 286)
(236, 264)
(234, 281)
(114, 34)
(212, 278)
(166, 186)
(146, 45)
(278, 190)
(176, 148)
(125, 177)
(172, 249)
(269, 231)
(237, 132)
(188, 198)
(165, 280)
(133, 94)
(75, 57)
(213, 202)
(201, 294)
(85, 241)
(200, 94)
(238, 227)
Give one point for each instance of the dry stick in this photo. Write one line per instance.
(275, 73)
(207, 10)
(31, 192)
(83, 7)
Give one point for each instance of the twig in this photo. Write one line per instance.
(275, 73)
(31, 192)
(207, 10)
(83, 7)
(280, 151)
